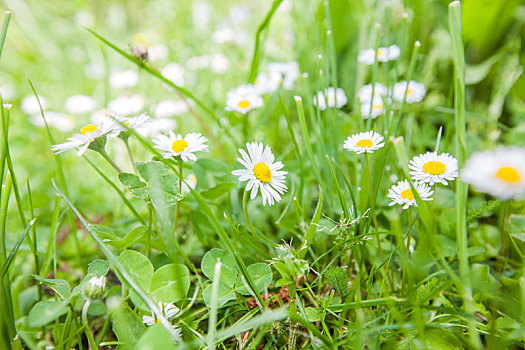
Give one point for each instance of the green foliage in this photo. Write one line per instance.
(340, 280)
(156, 337)
(261, 275)
(45, 312)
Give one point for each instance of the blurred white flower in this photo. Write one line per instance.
(168, 108)
(243, 99)
(415, 92)
(331, 98)
(226, 35)
(60, 121)
(201, 13)
(168, 310)
(79, 104)
(219, 63)
(123, 79)
(158, 52)
(365, 92)
(94, 70)
(157, 126)
(499, 172)
(240, 14)
(7, 92)
(383, 54)
(127, 105)
(174, 72)
(192, 182)
(198, 62)
(289, 72)
(268, 82)
(29, 104)
(372, 109)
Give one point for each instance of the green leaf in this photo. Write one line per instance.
(45, 312)
(98, 268)
(217, 191)
(170, 283)
(260, 273)
(339, 279)
(97, 308)
(127, 327)
(228, 270)
(156, 337)
(312, 314)
(136, 186)
(61, 287)
(141, 270)
(224, 294)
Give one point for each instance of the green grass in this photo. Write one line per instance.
(331, 265)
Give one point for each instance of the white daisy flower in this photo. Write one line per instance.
(365, 92)
(415, 92)
(201, 14)
(168, 310)
(127, 105)
(169, 108)
(219, 63)
(94, 70)
(499, 172)
(368, 141)
(29, 104)
(174, 72)
(7, 92)
(176, 145)
(243, 99)
(88, 134)
(261, 172)
(80, 104)
(191, 180)
(198, 62)
(402, 193)
(374, 109)
(123, 79)
(433, 168)
(157, 126)
(229, 36)
(268, 82)
(60, 121)
(383, 54)
(134, 123)
(334, 98)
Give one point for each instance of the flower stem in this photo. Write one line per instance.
(87, 330)
(130, 154)
(150, 220)
(177, 209)
(246, 216)
(105, 155)
(374, 218)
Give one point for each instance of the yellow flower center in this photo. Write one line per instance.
(377, 106)
(126, 123)
(244, 104)
(407, 194)
(508, 174)
(434, 168)
(364, 143)
(262, 172)
(409, 91)
(379, 51)
(179, 146)
(88, 128)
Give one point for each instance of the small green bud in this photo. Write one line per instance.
(95, 287)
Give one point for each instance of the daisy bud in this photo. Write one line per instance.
(95, 287)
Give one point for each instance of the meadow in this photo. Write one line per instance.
(314, 174)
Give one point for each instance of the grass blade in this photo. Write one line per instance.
(14, 250)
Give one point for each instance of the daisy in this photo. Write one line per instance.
(364, 142)
(169, 108)
(156, 126)
(383, 54)
(289, 72)
(91, 136)
(365, 92)
(373, 109)
(261, 172)
(500, 172)
(133, 123)
(7, 92)
(415, 92)
(334, 97)
(433, 168)
(243, 99)
(168, 310)
(191, 181)
(174, 72)
(402, 193)
(176, 145)
(268, 82)
(80, 104)
(123, 79)
(127, 105)
(157, 52)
